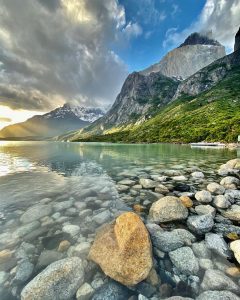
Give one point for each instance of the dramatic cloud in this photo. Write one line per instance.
(220, 16)
(56, 51)
(5, 120)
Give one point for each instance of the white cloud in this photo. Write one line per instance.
(52, 51)
(220, 16)
(132, 30)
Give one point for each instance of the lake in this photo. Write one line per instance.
(85, 178)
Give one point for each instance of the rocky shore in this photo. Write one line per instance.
(151, 234)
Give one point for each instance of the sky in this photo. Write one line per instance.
(80, 51)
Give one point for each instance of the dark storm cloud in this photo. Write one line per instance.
(56, 51)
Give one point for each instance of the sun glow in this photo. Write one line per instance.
(15, 116)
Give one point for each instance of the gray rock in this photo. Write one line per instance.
(80, 205)
(84, 292)
(47, 257)
(180, 178)
(230, 182)
(167, 241)
(203, 196)
(205, 263)
(59, 206)
(23, 271)
(122, 188)
(200, 250)
(59, 281)
(35, 213)
(85, 213)
(25, 250)
(232, 195)
(126, 182)
(215, 188)
(184, 260)
(200, 224)
(217, 295)
(205, 209)
(102, 217)
(221, 201)
(167, 209)
(112, 291)
(162, 189)
(216, 243)
(147, 183)
(233, 213)
(81, 250)
(73, 230)
(25, 229)
(226, 229)
(216, 280)
(197, 175)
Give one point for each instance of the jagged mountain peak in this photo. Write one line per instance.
(198, 38)
(88, 114)
(198, 51)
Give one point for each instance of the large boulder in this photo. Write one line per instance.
(59, 281)
(167, 209)
(123, 249)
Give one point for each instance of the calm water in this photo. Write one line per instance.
(31, 172)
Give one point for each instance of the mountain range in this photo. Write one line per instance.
(174, 101)
(62, 119)
(191, 94)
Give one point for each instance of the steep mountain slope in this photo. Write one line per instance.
(138, 100)
(144, 93)
(211, 116)
(60, 120)
(195, 53)
(207, 108)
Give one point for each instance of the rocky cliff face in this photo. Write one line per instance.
(144, 93)
(208, 77)
(194, 54)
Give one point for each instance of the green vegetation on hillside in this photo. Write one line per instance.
(211, 116)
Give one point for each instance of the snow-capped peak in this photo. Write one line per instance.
(88, 114)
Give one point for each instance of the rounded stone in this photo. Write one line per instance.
(63, 246)
(167, 209)
(200, 224)
(186, 201)
(203, 196)
(59, 281)
(220, 201)
(215, 188)
(123, 249)
(35, 213)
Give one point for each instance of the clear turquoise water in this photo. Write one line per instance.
(29, 170)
